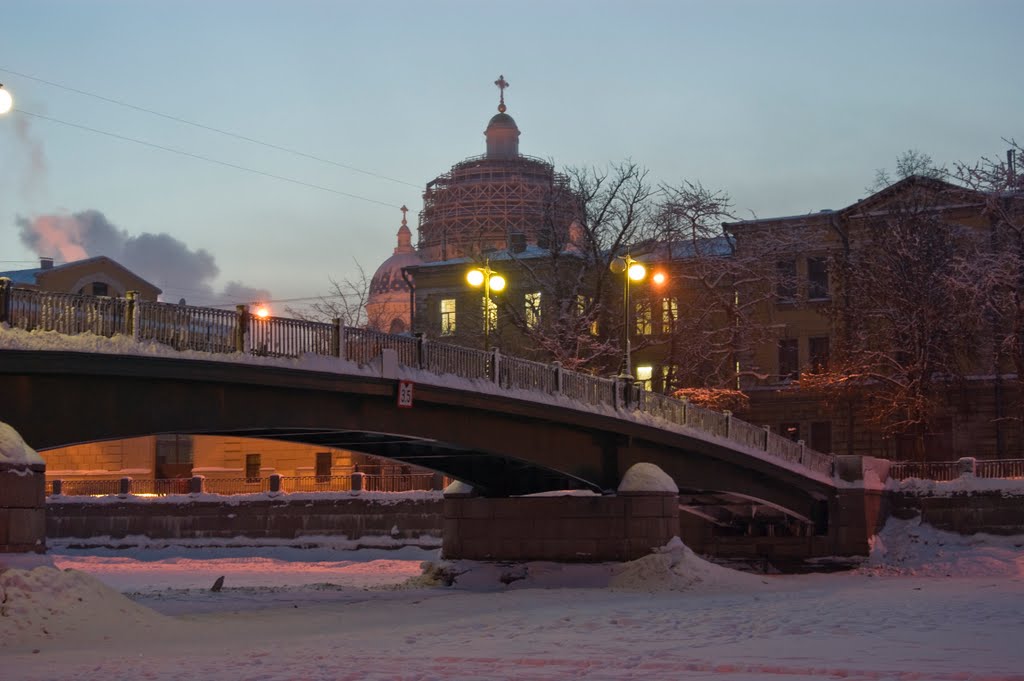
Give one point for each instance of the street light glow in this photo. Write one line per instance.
(6, 101)
(262, 311)
(637, 271)
(497, 282)
(659, 278)
(475, 277)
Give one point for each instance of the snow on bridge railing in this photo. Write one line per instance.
(225, 331)
(945, 471)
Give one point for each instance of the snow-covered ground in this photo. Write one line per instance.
(927, 605)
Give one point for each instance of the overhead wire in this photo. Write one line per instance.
(209, 128)
(206, 158)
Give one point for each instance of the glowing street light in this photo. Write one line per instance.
(491, 281)
(262, 311)
(634, 271)
(6, 101)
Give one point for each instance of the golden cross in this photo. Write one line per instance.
(404, 211)
(502, 84)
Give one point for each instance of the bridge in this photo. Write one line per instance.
(119, 368)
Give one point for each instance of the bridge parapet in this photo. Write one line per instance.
(226, 332)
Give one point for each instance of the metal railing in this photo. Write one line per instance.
(224, 331)
(285, 484)
(945, 471)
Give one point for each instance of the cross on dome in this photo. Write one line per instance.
(404, 211)
(502, 84)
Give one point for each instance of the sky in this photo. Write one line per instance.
(789, 106)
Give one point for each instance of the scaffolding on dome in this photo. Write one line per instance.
(482, 202)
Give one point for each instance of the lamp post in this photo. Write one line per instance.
(634, 271)
(6, 101)
(491, 281)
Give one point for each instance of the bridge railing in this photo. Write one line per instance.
(186, 327)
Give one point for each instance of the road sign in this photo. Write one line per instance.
(405, 394)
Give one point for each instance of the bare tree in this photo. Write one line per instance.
(726, 284)
(346, 301)
(910, 163)
(576, 287)
(907, 313)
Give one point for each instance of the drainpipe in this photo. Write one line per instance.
(412, 300)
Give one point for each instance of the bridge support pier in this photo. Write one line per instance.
(22, 508)
(860, 507)
(559, 528)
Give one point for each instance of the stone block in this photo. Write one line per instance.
(23, 489)
(645, 506)
(26, 526)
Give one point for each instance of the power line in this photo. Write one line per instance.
(207, 159)
(211, 128)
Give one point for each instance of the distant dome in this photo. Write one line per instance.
(388, 276)
(502, 120)
(388, 308)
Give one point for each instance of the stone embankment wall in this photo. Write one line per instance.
(277, 518)
(992, 512)
(559, 528)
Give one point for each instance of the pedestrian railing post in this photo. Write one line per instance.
(241, 328)
(421, 350)
(728, 423)
(767, 436)
(132, 314)
(5, 300)
(802, 448)
(357, 482)
(124, 487)
(58, 487)
(195, 484)
(495, 365)
(559, 377)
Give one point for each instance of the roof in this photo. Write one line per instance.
(31, 276)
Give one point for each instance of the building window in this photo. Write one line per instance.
(790, 431)
(173, 456)
(669, 314)
(817, 278)
(644, 375)
(643, 319)
(532, 303)
(447, 316)
(323, 466)
(668, 378)
(785, 287)
(821, 436)
(252, 467)
(789, 359)
(818, 350)
(583, 311)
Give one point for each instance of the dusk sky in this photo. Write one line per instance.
(790, 107)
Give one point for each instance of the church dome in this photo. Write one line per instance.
(387, 307)
(502, 120)
(388, 276)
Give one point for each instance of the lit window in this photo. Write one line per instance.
(643, 376)
(447, 316)
(582, 307)
(252, 467)
(669, 314)
(532, 301)
(643, 319)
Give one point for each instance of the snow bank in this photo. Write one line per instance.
(962, 485)
(45, 604)
(907, 547)
(646, 477)
(13, 449)
(458, 487)
(675, 567)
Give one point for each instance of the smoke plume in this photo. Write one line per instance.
(159, 258)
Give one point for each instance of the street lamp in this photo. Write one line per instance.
(6, 101)
(634, 271)
(491, 281)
